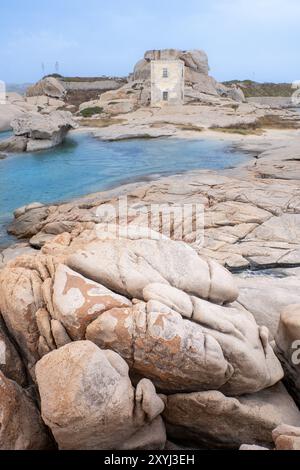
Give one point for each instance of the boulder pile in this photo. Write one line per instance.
(125, 343)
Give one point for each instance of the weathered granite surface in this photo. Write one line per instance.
(99, 313)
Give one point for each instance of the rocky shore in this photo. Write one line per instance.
(120, 332)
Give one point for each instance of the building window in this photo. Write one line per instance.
(165, 95)
(165, 73)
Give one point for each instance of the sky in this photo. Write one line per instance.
(244, 39)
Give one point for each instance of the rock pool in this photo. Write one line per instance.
(84, 165)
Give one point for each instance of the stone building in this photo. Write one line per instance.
(167, 82)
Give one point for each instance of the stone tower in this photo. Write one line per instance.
(167, 82)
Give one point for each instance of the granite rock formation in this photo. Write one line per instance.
(33, 131)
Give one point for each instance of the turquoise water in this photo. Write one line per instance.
(84, 164)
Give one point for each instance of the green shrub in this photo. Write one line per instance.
(89, 112)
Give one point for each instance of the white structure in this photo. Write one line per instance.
(167, 82)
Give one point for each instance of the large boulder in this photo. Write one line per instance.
(128, 266)
(48, 86)
(21, 427)
(267, 296)
(34, 131)
(8, 112)
(213, 420)
(77, 301)
(148, 300)
(44, 129)
(196, 70)
(233, 92)
(286, 437)
(157, 343)
(89, 403)
(13, 251)
(28, 220)
(225, 350)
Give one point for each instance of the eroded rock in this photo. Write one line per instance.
(10, 362)
(89, 403)
(128, 266)
(216, 421)
(77, 301)
(20, 299)
(34, 131)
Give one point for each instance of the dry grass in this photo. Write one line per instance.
(101, 122)
(183, 127)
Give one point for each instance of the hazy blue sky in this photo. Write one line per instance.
(256, 39)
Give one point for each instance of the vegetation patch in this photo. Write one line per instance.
(85, 79)
(237, 130)
(100, 122)
(255, 89)
(270, 121)
(183, 127)
(189, 127)
(89, 112)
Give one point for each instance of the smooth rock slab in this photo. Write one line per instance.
(128, 266)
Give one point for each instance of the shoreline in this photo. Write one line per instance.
(255, 146)
(133, 182)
